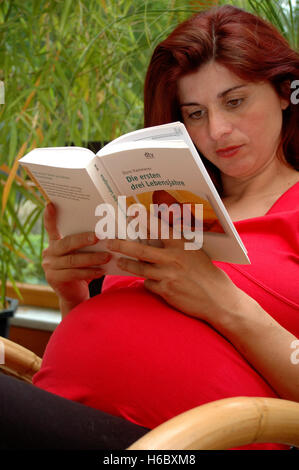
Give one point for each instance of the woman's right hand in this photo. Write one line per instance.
(68, 271)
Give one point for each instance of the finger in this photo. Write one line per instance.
(152, 285)
(141, 269)
(138, 250)
(80, 260)
(70, 275)
(73, 242)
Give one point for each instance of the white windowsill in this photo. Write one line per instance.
(39, 318)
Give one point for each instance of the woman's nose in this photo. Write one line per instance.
(219, 125)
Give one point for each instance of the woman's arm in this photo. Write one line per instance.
(265, 344)
(190, 282)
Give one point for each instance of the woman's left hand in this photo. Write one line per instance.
(187, 280)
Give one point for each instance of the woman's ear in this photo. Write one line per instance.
(284, 103)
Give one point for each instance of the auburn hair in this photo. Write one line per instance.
(247, 45)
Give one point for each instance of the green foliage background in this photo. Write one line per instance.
(73, 73)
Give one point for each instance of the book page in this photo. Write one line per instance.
(59, 157)
(75, 197)
(172, 131)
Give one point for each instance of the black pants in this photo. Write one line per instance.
(31, 418)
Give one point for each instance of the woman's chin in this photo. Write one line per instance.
(241, 171)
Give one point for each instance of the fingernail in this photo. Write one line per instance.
(50, 207)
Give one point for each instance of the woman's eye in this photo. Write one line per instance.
(234, 103)
(197, 114)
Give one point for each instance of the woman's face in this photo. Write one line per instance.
(235, 124)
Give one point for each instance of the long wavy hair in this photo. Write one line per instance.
(247, 45)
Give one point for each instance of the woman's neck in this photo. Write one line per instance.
(272, 180)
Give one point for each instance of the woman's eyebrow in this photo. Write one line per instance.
(220, 95)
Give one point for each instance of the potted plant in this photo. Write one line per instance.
(15, 243)
(8, 305)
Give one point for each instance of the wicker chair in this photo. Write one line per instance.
(225, 424)
(222, 424)
(18, 361)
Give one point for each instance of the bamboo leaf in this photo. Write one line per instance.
(28, 189)
(11, 177)
(65, 14)
(12, 142)
(31, 95)
(16, 252)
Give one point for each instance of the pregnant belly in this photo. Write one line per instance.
(128, 353)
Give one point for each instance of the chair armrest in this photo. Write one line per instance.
(18, 361)
(227, 423)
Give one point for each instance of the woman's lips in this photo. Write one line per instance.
(228, 151)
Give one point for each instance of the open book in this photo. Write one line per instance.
(148, 167)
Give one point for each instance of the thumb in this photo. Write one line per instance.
(50, 221)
